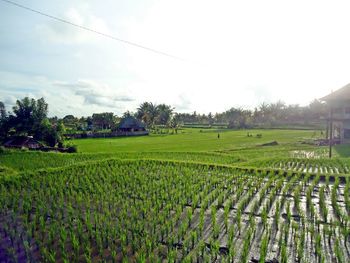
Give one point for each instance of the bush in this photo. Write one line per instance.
(72, 149)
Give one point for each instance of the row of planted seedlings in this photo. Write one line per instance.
(316, 232)
(297, 228)
(260, 213)
(194, 225)
(231, 222)
(149, 210)
(190, 226)
(111, 210)
(323, 166)
(302, 233)
(274, 228)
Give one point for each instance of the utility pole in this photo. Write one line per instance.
(330, 132)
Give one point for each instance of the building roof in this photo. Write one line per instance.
(20, 141)
(342, 94)
(130, 123)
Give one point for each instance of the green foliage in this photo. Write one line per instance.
(30, 118)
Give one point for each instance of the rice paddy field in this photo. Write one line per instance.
(187, 197)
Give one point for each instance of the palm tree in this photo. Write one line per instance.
(165, 113)
(147, 112)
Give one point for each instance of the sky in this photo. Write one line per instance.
(228, 53)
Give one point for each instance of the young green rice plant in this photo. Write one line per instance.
(347, 195)
(231, 235)
(264, 217)
(231, 252)
(263, 248)
(296, 198)
(239, 221)
(189, 216)
(88, 252)
(284, 254)
(289, 214)
(318, 246)
(322, 203)
(300, 246)
(226, 213)
(221, 199)
(140, 258)
(246, 245)
(334, 202)
(214, 249)
(277, 214)
(338, 252)
(216, 231)
(345, 230)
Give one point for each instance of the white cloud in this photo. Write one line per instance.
(238, 54)
(80, 98)
(96, 93)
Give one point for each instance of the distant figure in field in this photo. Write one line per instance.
(218, 135)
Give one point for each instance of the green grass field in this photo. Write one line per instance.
(193, 140)
(193, 145)
(187, 197)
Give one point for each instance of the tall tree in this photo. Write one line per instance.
(70, 121)
(29, 114)
(147, 112)
(103, 120)
(164, 113)
(30, 118)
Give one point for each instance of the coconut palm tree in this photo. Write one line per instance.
(147, 112)
(165, 113)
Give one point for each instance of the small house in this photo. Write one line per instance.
(22, 142)
(339, 114)
(132, 125)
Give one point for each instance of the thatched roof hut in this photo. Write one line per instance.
(22, 142)
(131, 124)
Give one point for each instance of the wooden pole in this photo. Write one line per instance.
(330, 132)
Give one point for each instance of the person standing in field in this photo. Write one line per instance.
(218, 135)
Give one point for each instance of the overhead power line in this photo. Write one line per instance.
(92, 30)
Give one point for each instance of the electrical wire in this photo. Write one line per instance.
(93, 31)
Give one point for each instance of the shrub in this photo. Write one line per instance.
(72, 149)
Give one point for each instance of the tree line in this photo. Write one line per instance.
(30, 117)
(266, 115)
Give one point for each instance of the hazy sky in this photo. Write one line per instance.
(235, 53)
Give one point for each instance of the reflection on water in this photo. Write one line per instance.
(309, 154)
